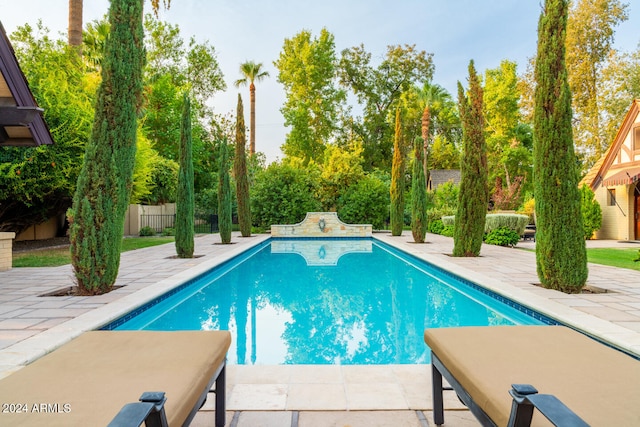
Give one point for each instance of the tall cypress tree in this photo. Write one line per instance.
(104, 184)
(560, 248)
(185, 200)
(397, 181)
(418, 194)
(224, 194)
(240, 172)
(474, 191)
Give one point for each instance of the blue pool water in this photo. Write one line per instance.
(326, 302)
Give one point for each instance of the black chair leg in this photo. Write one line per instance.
(438, 405)
(221, 397)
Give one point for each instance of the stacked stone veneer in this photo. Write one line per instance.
(6, 245)
(322, 224)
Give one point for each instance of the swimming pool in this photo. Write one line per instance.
(326, 301)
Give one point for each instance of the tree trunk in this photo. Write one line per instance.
(75, 24)
(252, 119)
(426, 122)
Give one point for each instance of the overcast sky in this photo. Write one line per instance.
(454, 31)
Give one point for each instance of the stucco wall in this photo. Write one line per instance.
(616, 222)
(46, 230)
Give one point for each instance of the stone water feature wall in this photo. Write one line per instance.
(322, 224)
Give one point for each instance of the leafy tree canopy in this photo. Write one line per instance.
(378, 90)
(37, 183)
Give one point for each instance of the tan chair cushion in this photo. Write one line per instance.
(93, 376)
(600, 384)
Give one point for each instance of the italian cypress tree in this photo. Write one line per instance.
(418, 194)
(224, 195)
(474, 191)
(560, 248)
(240, 172)
(104, 184)
(185, 198)
(397, 181)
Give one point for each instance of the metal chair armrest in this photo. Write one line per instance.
(149, 410)
(526, 398)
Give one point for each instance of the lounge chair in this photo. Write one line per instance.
(580, 381)
(90, 380)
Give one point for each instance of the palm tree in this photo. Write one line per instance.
(252, 73)
(433, 97)
(75, 20)
(75, 24)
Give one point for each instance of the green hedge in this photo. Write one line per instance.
(515, 222)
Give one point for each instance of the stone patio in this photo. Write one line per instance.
(308, 396)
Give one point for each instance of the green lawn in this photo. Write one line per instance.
(60, 256)
(623, 258)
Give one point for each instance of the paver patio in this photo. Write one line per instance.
(308, 396)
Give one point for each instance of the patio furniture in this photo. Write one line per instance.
(581, 381)
(89, 380)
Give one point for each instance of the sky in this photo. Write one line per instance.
(454, 31)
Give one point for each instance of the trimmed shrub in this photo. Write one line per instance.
(514, 222)
(185, 244)
(418, 196)
(436, 226)
(591, 212)
(367, 202)
(561, 256)
(397, 181)
(241, 174)
(474, 190)
(447, 230)
(502, 236)
(224, 195)
(169, 231)
(147, 231)
(283, 194)
(448, 220)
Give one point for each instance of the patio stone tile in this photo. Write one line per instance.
(7, 335)
(49, 323)
(261, 374)
(418, 396)
(359, 419)
(257, 397)
(15, 313)
(315, 374)
(375, 395)
(367, 374)
(207, 419)
(264, 419)
(6, 308)
(579, 303)
(611, 314)
(57, 312)
(462, 418)
(420, 374)
(316, 397)
(20, 323)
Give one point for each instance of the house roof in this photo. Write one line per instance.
(21, 120)
(595, 176)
